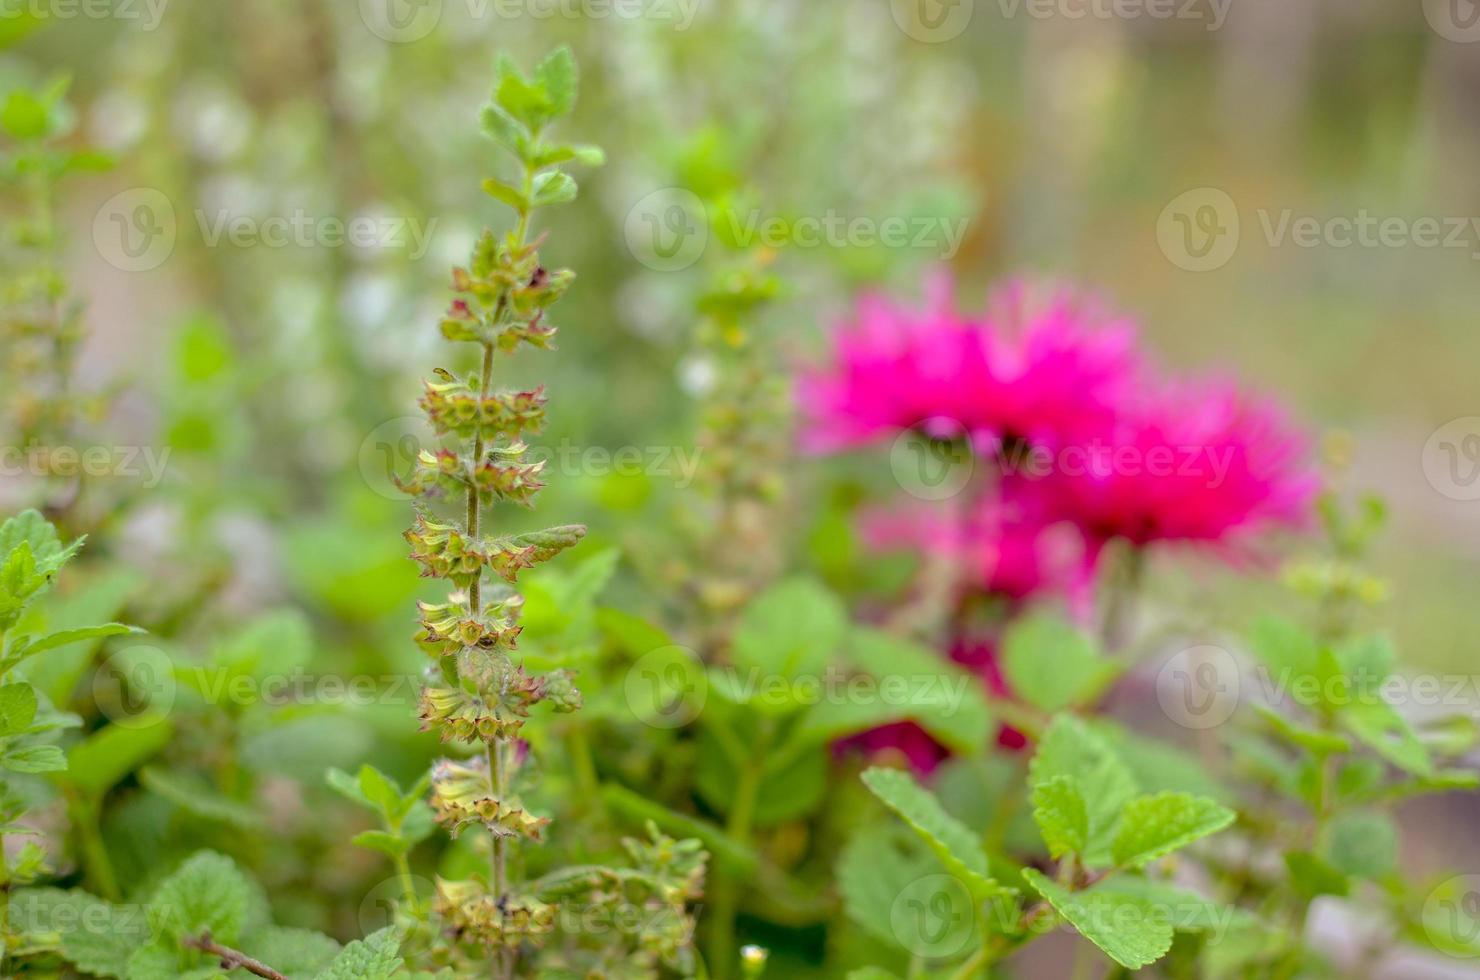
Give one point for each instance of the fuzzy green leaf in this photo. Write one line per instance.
(557, 77)
(789, 631)
(376, 957)
(1127, 928)
(1052, 665)
(957, 847)
(1152, 827)
(1070, 748)
(208, 893)
(1061, 815)
(553, 187)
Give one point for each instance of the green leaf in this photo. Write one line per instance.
(1051, 664)
(1312, 876)
(877, 866)
(1363, 844)
(378, 840)
(1311, 739)
(1061, 815)
(957, 847)
(100, 762)
(93, 935)
(17, 708)
(1289, 652)
(1386, 732)
(944, 699)
(787, 633)
(33, 758)
(208, 893)
(347, 786)
(1127, 928)
(376, 957)
(503, 128)
(1152, 827)
(30, 527)
(1070, 748)
(62, 638)
(512, 196)
(379, 789)
(557, 77)
(292, 952)
(553, 187)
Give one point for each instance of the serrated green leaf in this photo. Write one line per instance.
(46, 548)
(376, 957)
(1051, 664)
(1127, 928)
(958, 849)
(1062, 816)
(207, 893)
(1070, 748)
(1152, 827)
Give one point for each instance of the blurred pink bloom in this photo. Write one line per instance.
(901, 738)
(1189, 461)
(1002, 543)
(1030, 367)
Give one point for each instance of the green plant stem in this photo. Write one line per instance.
(976, 966)
(726, 890)
(99, 866)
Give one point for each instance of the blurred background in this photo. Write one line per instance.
(1279, 192)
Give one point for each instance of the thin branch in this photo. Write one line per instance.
(232, 959)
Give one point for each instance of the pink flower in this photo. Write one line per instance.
(1187, 461)
(1003, 543)
(1030, 367)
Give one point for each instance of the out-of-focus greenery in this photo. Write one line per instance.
(280, 380)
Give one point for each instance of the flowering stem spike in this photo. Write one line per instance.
(501, 303)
